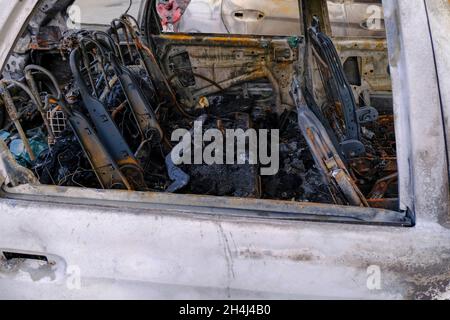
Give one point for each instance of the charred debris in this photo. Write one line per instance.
(96, 109)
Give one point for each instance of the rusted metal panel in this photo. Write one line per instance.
(232, 60)
(186, 254)
(374, 61)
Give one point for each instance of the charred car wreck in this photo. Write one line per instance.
(96, 108)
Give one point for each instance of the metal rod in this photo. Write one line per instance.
(35, 91)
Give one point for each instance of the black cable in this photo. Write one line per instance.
(129, 7)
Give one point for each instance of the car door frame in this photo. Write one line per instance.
(159, 252)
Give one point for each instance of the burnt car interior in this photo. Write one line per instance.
(94, 107)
